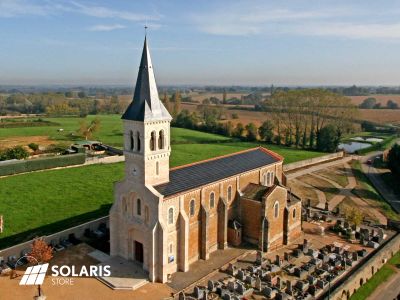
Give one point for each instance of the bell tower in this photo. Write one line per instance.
(146, 124)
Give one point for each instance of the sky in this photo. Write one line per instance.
(224, 42)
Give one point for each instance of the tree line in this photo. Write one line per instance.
(308, 119)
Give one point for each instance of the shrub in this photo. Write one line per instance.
(21, 166)
(17, 152)
(33, 146)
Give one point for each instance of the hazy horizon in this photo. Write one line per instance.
(224, 43)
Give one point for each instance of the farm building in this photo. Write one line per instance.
(165, 219)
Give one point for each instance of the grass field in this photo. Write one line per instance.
(379, 277)
(367, 192)
(44, 202)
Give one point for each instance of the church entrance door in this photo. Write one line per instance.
(138, 252)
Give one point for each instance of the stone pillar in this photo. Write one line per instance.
(153, 254)
(205, 219)
(286, 229)
(162, 259)
(114, 234)
(222, 223)
(183, 238)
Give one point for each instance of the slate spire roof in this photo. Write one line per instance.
(146, 105)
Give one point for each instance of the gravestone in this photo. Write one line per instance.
(227, 296)
(250, 280)
(211, 286)
(258, 284)
(182, 296)
(232, 286)
(286, 256)
(355, 256)
(241, 289)
(277, 260)
(232, 270)
(205, 295)
(241, 274)
(289, 288)
(269, 292)
(278, 283)
(198, 292)
(259, 258)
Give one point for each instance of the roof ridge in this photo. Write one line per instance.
(213, 158)
(274, 154)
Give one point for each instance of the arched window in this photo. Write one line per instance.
(276, 209)
(157, 168)
(212, 200)
(138, 141)
(229, 193)
(171, 248)
(161, 140)
(271, 179)
(153, 141)
(171, 215)
(146, 214)
(139, 207)
(294, 213)
(192, 206)
(131, 141)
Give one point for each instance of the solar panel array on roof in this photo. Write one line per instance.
(186, 178)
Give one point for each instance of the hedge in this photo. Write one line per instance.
(21, 166)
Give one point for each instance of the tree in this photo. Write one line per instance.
(251, 132)
(229, 128)
(394, 159)
(166, 102)
(327, 140)
(68, 94)
(239, 129)
(266, 131)
(17, 152)
(81, 94)
(177, 103)
(86, 130)
(235, 116)
(40, 252)
(368, 103)
(392, 105)
(353, 216)
(224, 97)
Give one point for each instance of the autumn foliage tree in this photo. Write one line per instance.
(40, 252)
(86, 130)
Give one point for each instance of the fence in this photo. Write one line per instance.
(78, 231)
(312, 161)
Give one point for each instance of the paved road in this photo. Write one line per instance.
(322, 166)
(388, 290)
(375, 176)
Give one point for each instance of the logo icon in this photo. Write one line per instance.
(34, 275)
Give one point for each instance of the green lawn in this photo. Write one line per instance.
(366, 191)
(379, 277)
(44, 202)
(110, 131)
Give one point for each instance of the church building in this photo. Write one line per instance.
(165, 219)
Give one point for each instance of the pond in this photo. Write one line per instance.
(353, 146)
(367, 139)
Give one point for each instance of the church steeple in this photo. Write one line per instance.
(146, 104)
(146, 125)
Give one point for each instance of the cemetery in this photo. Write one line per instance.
(326, 254)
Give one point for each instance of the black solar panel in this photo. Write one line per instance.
(186, 178)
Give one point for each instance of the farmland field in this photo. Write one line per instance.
(43, 202)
